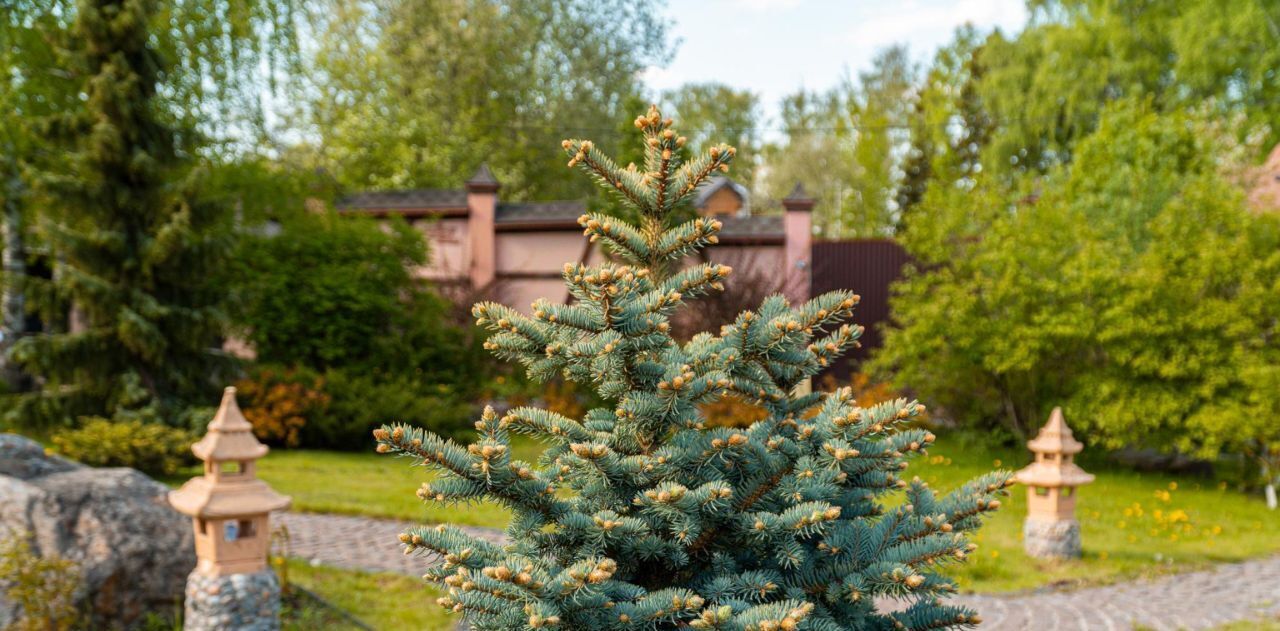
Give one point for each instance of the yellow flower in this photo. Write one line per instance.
(995, 554)
(1173, 486)
(996, 462)
(1102, 555)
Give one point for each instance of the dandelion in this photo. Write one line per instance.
(996, 463)
(1173, 486)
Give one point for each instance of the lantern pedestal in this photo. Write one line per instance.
(1051, 538)
(233, 601)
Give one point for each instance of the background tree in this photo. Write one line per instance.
(214, 60)
(1048, 85)
(1125, 287)
(949, 127)
(418, 93)
(132, 238)
(848, 147)
(713, 113)
(809, 153)
(639, 518)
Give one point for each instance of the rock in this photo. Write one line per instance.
(24, 459)
(133, 551)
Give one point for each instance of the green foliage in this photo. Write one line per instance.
(42, 587)
(134, 242)
(328, 290)
(359, 402)
(382, 345)
(418, 93)
(715, 113)
(357, 306)
(846, 145)
(1049, 85)
(149, 447)
(1135, 287)
(637, 516)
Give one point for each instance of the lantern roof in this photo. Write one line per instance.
(230, 436)
(1052, 474)
(209, 498)
(1055, 437)
(226, 493)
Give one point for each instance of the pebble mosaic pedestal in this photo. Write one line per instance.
(248, 602)
(1051, 539)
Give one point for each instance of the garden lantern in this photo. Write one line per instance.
(231, 587)
(1051, 529)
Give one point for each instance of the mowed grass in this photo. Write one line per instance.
(367, 483)
(1132, 524)
(387, 602)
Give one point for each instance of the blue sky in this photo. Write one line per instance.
(774, 47)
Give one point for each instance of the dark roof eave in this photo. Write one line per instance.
(536, 226)
(754, 239)
(435, 211)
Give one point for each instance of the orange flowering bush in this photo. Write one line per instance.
(277, 402)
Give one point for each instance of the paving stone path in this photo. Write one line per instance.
(1193, 600)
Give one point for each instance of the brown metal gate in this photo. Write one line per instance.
(866, 267)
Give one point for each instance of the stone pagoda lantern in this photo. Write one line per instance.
(232, 587)
(1051, 529)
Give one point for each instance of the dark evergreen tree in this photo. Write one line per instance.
(638, 517)
(135, 246)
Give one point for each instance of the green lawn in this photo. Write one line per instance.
(1134, 524)
(387, 602)
(366, 483)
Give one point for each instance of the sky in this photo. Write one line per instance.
(775, 47)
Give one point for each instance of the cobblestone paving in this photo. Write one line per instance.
(1194, 600)
(359, 543)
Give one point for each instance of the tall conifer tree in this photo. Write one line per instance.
(134, 246)
(639, 517)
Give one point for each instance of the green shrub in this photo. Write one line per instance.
(43, 587)
(358, 403)
(148, 447)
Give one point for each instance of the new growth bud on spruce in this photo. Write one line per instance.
(638, 516)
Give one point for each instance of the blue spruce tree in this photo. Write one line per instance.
(637, 517)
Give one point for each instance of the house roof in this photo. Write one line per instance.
(404, 201)
(763, 229)
(546, 215)
(552, 215)
(715, 184)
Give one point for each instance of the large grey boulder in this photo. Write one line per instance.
(133, 551)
